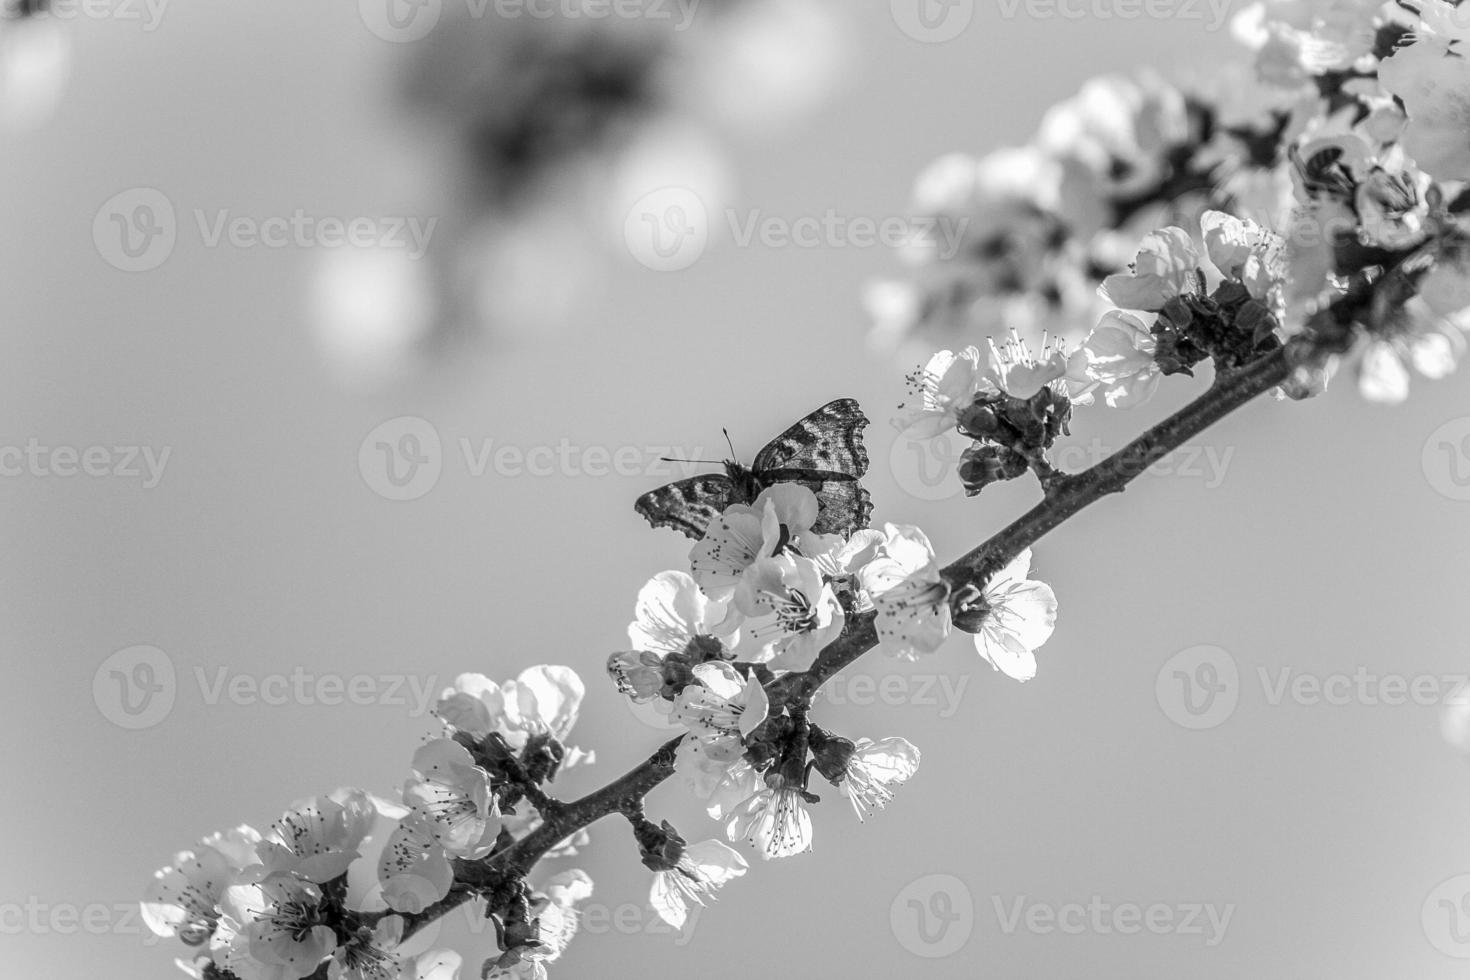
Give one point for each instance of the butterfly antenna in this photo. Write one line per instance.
(733, 453)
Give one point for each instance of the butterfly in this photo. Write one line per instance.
(823, 452)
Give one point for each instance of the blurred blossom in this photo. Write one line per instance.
(770, 63)
(1113, 139)
(372, 312)
(1431, 79)
(1043, 224)
(670, 152)
(1297, 39)
(35, 63)
(1455, 720)
(526, 273)
(563, 125)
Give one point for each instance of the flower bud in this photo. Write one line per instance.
(979, 421)
(660, 847)
(984, 464)
(638, 674)
(831, 754)
(970, 609)
(542, 758)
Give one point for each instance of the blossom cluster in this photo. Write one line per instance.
(336, 882)
(1334, 158)
(764, 596)
(1046, 221)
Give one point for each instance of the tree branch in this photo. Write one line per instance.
(1068, 495)
(624, 794)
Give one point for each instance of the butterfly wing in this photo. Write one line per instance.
(689, 505)
(824, 452)
(829, 440)
(844, 506)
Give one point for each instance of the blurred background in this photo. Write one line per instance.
(314, 480)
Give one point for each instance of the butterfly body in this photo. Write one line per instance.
(823, 452)
(747, 486)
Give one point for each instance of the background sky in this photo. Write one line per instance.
(1321, 540)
